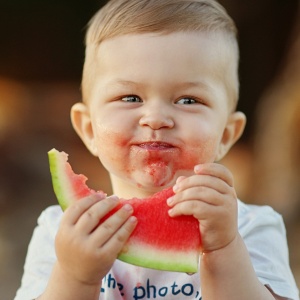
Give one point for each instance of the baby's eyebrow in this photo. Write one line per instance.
(180, 85)
(193, 84)
(123, 83)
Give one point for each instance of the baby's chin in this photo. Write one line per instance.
(155, 176)
(158, 176)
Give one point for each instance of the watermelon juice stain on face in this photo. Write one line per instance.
(157, 161)
(164, 166)
(150, 162)
(159, 171)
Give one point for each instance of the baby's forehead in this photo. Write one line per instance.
(220, 42)
(220, 46)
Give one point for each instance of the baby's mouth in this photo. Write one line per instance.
(156, 146)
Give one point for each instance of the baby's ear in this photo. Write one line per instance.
(81, 121)
(232, 132)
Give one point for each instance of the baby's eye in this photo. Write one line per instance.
(131, 99)
(187, 100)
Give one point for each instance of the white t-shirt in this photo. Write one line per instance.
(261, 228)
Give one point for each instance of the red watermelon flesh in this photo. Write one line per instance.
(158, 241)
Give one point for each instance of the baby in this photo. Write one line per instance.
(160, 89)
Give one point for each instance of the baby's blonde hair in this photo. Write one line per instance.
(120, 17)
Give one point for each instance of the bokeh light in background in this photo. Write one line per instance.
(41, 56)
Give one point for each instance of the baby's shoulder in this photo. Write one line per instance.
(258, 216)
(50, 218)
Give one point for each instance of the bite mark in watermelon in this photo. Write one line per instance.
(158, 241)
(67, 185)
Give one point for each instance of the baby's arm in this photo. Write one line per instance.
(86, 250)
(226, 270)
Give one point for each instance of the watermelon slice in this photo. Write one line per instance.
(158, 241)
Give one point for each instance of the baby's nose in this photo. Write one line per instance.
(157, 119)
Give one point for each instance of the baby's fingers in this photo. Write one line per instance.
(125, 231)
(118, 226)
(118, 240)
(90, 219)
(73, 212)
(198, 209)
(215, 170)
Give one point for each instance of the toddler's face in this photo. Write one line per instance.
(158, 106)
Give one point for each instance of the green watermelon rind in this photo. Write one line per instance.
(138, 254)
(60, 184)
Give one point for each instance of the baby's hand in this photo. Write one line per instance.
(87, 250)
(210, 197)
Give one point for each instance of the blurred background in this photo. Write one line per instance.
(41, 56)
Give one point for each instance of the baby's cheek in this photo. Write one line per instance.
(198, 153)
(108, 145)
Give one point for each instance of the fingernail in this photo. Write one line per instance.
(133, 219)
(101, 195)
(175, 188)
(127, 207)
(97, 197)
(180, 178)
(197, 168)
(170, 212)
(170, 201)
(113, 198)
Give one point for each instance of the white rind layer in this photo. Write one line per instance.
(147, 256)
